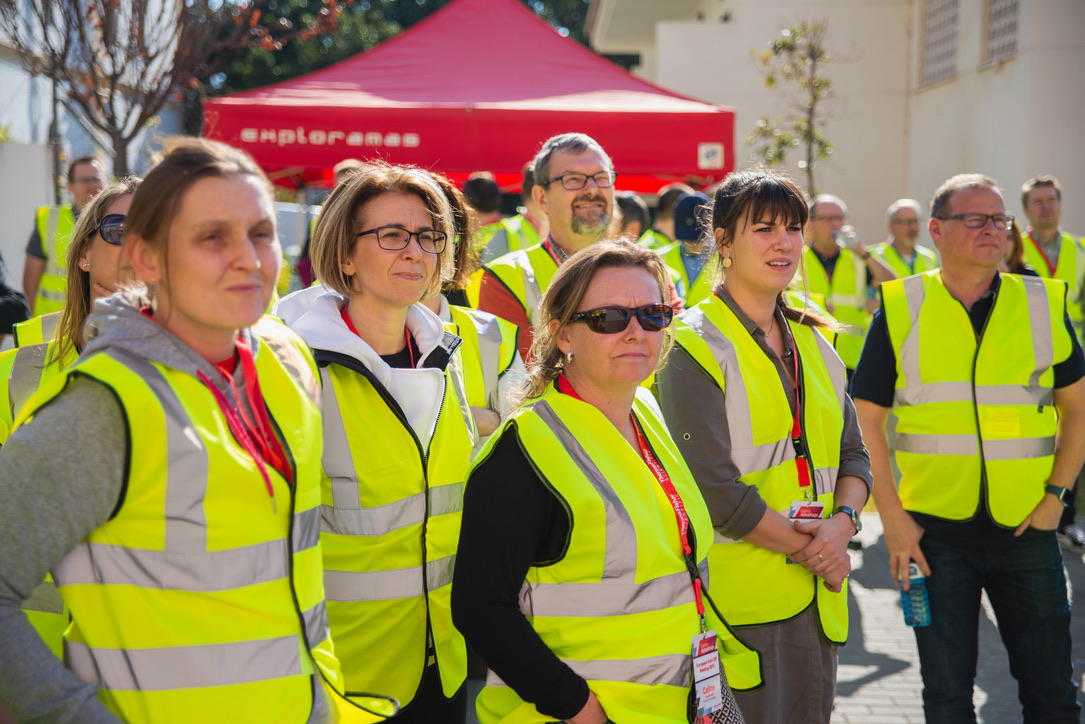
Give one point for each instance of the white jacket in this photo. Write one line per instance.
(316, 315)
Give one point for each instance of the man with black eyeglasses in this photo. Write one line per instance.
(987, 381)
(574, 186)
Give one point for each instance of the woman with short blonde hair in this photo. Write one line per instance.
(397, 436)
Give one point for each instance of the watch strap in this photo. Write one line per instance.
(851, 513)
(1063, 494)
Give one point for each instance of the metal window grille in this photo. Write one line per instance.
(939, 40)
(1001, 29)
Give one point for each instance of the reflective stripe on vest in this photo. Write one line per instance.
(925, 259)
(36, 329)
(488, 349)
(390, 523)
(845, 297)
(55, 225)
(196, 588)
(527, 274)
(758, 586)
(970, 411)
(623, 563)
(1070, 269)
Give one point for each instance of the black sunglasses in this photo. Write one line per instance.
(111, 228)
(612, 320)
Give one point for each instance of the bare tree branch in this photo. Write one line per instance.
(118, 62)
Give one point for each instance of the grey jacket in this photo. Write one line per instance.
(61, 478)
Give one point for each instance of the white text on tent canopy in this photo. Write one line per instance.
(300, 136)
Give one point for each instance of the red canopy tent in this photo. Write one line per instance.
(477, 85)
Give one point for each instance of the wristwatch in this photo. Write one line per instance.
(852, 513)
(1065, 495)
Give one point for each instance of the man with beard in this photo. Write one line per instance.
(574, 186)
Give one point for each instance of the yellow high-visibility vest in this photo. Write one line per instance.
(488, 350)
(925, 259)
(692, 291)
(971, 409)
(36, 329)
(203, 593)
(22, 372)
(55, 226)
(527, 274)
(391, 522)
(757, 585)
(618, 608)
(1070, 269)
(845, 298)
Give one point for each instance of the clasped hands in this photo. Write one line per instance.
(826, 553)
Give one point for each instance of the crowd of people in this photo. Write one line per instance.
(563, 466)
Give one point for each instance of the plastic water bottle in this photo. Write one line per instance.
(914, 601)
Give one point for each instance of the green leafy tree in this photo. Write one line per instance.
(362, 25)
(794, 63)
(116, 63)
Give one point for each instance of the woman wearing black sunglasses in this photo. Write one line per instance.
(578, 574)
(754, 396)
(397, 436)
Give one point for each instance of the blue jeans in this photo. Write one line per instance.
(1027, 590)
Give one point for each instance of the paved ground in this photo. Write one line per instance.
(879, 682)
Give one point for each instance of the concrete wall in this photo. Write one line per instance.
(25, 179)
(1011, 120)
(868, 117)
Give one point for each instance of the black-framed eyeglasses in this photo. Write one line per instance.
(393, 238)
(577, 181)
(612, 320)
(111, 228)
(978, 221)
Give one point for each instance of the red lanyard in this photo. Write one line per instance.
(1036, 245)
(801, 461)
(558, 255)
(672, 497)
(261, 443)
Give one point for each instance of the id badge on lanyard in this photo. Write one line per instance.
(707, 681)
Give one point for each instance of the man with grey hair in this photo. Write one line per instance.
(900, 252)
(574, 187)
(838, 270)
(987, 381)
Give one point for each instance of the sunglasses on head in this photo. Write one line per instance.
(612, 320)
(111, 228)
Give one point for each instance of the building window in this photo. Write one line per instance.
(1001, 29)
(939, 41)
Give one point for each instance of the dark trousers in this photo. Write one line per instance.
(429, 704)
(1027, 590)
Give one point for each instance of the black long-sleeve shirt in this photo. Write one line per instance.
(511, 522)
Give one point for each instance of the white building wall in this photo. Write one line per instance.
(893, 138)
(868, 117)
